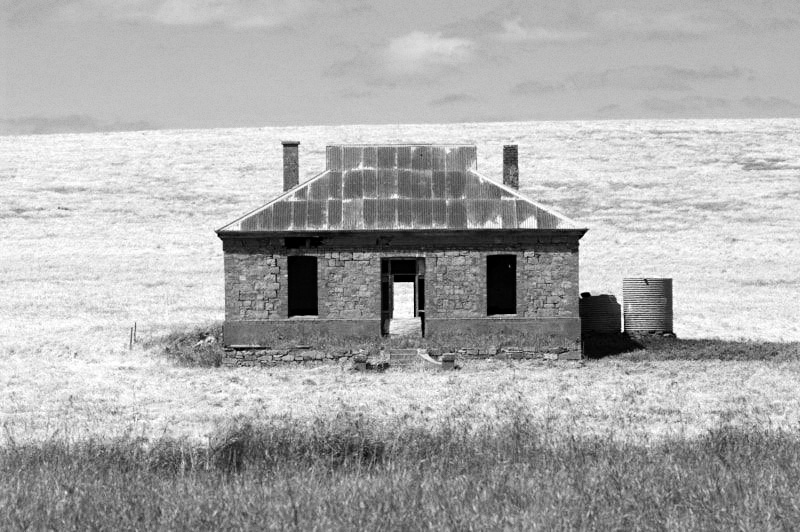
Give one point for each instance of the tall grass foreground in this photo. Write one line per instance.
(350, 471)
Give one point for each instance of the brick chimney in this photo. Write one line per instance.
(291, 164)
(510, 166)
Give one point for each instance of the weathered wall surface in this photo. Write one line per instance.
(348, 284)
(547, 282)
(255, 280)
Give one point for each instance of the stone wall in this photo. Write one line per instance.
(454, 284)
(274, 357)
(349, 285)
(348, 278)
(383, 358)
(547, 282)
(255, 281)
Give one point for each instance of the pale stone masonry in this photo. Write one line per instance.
(349, 284)
(483, 259)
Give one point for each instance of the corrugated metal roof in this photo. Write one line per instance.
(396, 188)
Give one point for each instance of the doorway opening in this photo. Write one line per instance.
(403, 297)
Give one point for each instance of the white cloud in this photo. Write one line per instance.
(513, 31)
(423, 53)
(665, 24)
(231, 13)
(642, 78)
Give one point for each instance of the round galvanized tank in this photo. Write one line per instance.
(648, 305)
(599, 314)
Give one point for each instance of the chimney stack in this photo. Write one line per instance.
(511, 166)
(291, 164)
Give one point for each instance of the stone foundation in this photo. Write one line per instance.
(276, 357)
(263, 333)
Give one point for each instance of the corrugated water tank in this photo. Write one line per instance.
(600, 314)
(647, 305)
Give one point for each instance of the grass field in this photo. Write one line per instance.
(100, 231)
(350, 472)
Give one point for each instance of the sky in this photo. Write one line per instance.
(100, 65)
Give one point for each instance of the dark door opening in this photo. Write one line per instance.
(302, 286)
(501, 284)
(403, 296)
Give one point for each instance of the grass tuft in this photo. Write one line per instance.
(661, 348)
(349, 471)
(201, 346)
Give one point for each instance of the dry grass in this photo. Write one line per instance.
(352, 472)
(103, 230)
(148, 394)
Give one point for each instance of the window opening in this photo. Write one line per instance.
(302, 286)
(501, 284)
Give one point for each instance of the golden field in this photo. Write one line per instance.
(103, 230)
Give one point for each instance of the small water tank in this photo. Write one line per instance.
(648, 305)
(599, 314)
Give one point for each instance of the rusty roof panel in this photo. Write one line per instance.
(333, 158)
(387, 213)
(353, 184)
(439, 213)
(371, 214)
(421, 211)
(545, 219)
(421, 184)
(508, 209)
(265, 218)
(299, 209)
(489, 191)
(352, 157)
(483, 214)
(370, 182)
(386, 186)
(405, 214)
(399, 187)
(352, 214)
(439, 158)
(282, 215)
(334, 180)
(387, 157)
(456, 215)
(316, 213)
(404, 183)
(421, 158)
(526, 215)
(438, 181)
(404, 157)
(318, 190)
(300, 193)
(370, 157)
(334, 213)
(472, 187)
(456, 182)
(461, 158)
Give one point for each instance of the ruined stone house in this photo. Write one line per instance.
(324, 256)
